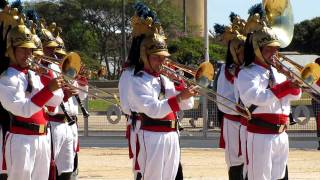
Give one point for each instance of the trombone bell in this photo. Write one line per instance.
(71, 64)
(311, 73)
(204, 73)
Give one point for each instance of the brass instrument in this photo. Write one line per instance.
(280, 19)
(71, 65)
(203, 75)
(308, 74)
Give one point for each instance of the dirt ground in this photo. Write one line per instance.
(198, 164)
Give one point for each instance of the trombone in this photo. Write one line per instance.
(203, 75)
(70, 66)
(308, 74)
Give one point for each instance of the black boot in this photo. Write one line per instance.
(139, 176)
(3, 176)
(236, 172)
(180, 173)
(64, 176)
(286, 176)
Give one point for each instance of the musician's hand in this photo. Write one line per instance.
(82, 81)
(55, 84)
(188, 92)
(296, 84)
(69, 91)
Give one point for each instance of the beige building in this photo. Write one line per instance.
(195, 15)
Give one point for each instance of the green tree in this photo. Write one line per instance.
(306, 37)
(190, 51)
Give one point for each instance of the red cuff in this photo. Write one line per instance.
(42, 97)
(284, 89)
(173, 103)
(318, 82)
(46, 78)
(82, 81)
(66, 96)
(180, 86)
(51, 108)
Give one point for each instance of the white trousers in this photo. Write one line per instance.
(159, 155)
(133, 143)
(268, 156)
(27, 156)
(75, 137)
(231, 135)
(1, 152)
(243, 139)
(62, 146)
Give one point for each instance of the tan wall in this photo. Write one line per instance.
(195, 15)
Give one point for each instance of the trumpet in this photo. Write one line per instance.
(203, 75)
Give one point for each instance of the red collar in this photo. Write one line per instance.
(155, 74)
(24, 70)
(262, 65)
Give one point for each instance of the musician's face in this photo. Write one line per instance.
(22, 54)
(269, 51)
(49, 51)
(156, 62)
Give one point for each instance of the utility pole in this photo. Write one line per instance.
(184, 17)
(206, 58)
(123, 32)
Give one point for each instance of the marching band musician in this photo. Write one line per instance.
(61, 132)
(27, 145)
(70, 107)
(226, 87)
(153, 100)
(6, 22)
(267, 94)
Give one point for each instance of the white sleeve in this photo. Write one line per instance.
(251, 91)
(56, 99)
(123, 87)
(13, 98)
(82, 94)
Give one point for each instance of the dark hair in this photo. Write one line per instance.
(249, 55)
(317, 60)
(229, 57)
(134, 54)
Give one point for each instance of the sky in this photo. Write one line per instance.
(219, 10)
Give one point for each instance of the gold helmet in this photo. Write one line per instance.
(254, 23)
(46, 36)
(148, 26)
(236, 47)
(19, 36)
(264, 37)
(237, 23)
(7, 20)
(38, 50)
(61, 48)
(154, 44)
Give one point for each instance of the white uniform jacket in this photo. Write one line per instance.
(143, 96)
(253, 87)
(15, 98)
(226, 88)
(123, 87)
